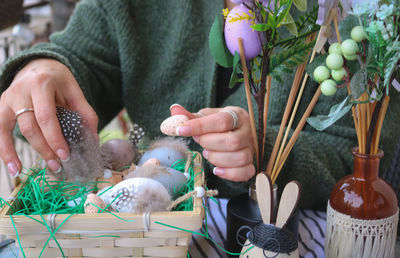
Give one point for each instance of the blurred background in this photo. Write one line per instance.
(22, 24)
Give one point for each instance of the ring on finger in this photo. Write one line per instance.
(234, 116)
(21, 111)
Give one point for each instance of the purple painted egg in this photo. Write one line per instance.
(235, 29)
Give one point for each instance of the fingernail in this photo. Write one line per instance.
(200, 114)
(13, 169)
(184, 130)
(205, 153)
(218, 171)
(54, 166)
(63, 155)
(196, 138)
(174, 105)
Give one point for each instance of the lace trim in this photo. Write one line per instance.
(349, 237)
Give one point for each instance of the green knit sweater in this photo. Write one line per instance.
(147, 55)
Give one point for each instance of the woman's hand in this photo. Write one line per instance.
(229, 149)
(40, 86)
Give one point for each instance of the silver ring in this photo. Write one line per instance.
(234, 116)
(19, 112)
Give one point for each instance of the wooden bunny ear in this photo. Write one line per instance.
(264, 196)
(289, 199)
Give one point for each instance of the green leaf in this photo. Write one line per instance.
(337, 111)
(261, 26)
(295, 55)
(301, 5)
(391, 63)
(290, 25)
(319, 60)
(346, 25)
(283, 10)
(358, 83)
(236, 69)
(217, 44)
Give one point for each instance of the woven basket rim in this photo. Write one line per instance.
(74, 223)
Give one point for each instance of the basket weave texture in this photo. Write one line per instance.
(10, 12)
(104, 235)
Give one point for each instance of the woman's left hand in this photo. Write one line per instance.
(227, 143)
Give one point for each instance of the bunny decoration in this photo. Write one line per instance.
(266, 239)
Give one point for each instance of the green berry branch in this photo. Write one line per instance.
(367, 63)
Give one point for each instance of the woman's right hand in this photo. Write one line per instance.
(42, 84)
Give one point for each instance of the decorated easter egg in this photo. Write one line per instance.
(170, 125)
(173, 180)
(118, 153)
(137, 195)
(166, 155)
(91, 202)
(237, 27)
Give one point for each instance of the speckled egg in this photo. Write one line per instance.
(97, 201)
(169, 126)
(241, 29)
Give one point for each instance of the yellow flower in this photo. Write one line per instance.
(225, 12)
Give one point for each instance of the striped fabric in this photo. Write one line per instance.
(311, 233)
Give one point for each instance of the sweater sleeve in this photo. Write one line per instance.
(88, 48)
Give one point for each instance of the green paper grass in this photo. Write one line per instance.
(41, 196)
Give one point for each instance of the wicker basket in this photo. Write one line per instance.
(10, 12)
(104, 235)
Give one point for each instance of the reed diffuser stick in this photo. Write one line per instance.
(249, 102)
(265, 113)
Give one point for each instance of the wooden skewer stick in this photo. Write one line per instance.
(381, 117)
(363, 113)
(297, 78)
(353, 111)
(249, 102)
(335, 22)
(265, 114)
(288, 108)
(297, 131)
(359, 131)
(296, 81)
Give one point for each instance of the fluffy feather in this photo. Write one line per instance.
(179, 144)
(85, 163)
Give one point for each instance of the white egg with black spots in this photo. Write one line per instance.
(137, 195)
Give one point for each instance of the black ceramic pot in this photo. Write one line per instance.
(242, 213)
